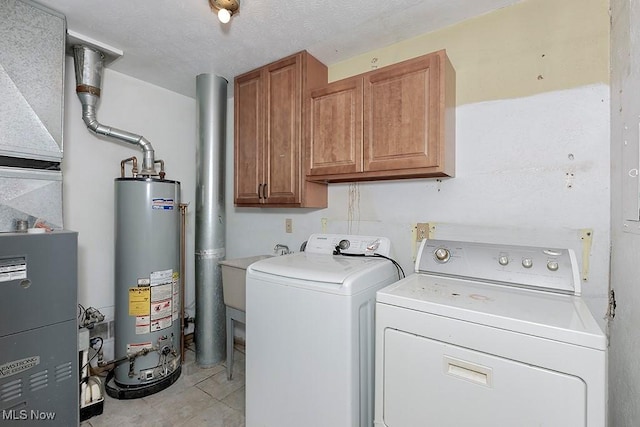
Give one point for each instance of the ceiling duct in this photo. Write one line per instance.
(89, 64)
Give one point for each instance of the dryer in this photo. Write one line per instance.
(489, 335)
(310, 331)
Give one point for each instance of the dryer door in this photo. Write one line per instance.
(429, 382)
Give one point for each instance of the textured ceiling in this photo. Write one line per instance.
(169, 42)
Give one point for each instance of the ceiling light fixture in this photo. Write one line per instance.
(225, 9)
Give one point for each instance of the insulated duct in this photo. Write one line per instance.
(211, 103)
(89, 64)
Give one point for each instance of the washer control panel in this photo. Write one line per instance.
(348, 243)
(540, 268)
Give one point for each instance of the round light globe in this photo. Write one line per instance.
(224, 15)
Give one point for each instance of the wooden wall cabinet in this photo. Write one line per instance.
(391, 123)
(270, 104)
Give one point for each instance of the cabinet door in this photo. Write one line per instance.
(283, 121)
(249, 139)
(401, 116)
(336, 128)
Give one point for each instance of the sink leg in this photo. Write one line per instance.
(230, 327)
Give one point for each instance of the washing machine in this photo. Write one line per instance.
(310, 332)
(489, 335)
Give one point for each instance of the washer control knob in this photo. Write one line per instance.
(503, 260)
(442, 254)
(527, 262)
(552, 265)
(344, 244)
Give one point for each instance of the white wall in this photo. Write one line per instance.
(92, 163)
(511, 186)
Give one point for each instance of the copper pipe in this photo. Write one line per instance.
(183, 257)
(162, 174)
(134, 170)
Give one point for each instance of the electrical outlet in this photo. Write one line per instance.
(323, 224)
(288, 225)
(422, 231)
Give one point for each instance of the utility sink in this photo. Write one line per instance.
(234, 288)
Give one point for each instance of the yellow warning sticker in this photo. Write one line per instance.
(140, 301)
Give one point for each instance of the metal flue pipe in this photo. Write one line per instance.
(211, 104)
(89, 64)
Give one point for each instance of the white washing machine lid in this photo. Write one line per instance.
(559, 317)
(346, 274)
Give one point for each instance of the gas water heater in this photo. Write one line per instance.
(147, 285)
(147, 254)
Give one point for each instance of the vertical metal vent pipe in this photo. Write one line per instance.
(89, 64)
(211, 104)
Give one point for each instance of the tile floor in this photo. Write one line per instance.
(200, 397)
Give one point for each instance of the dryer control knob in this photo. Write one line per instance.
(527, 262)
(442, 254)
(552, 265)
(503, 260)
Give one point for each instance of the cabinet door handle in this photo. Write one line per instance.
(264, 191)
(259, 191)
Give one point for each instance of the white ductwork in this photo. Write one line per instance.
(89, 64)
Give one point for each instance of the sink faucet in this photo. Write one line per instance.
(281, 249)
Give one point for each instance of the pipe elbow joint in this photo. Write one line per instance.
(145, 145)
(92, 124)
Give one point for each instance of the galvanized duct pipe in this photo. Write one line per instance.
(89, 64)
(211, 99)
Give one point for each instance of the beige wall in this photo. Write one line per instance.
(513, 155)
(532, 47)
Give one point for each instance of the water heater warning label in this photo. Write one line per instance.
(143, 325)
(162, 302)
(176, 296)
(140, 301)
(161, 277)
(160, 324)
(135, 348)
(162, 204)
(160, 292)
(160, 309)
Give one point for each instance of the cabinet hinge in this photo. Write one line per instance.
(611, 311)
